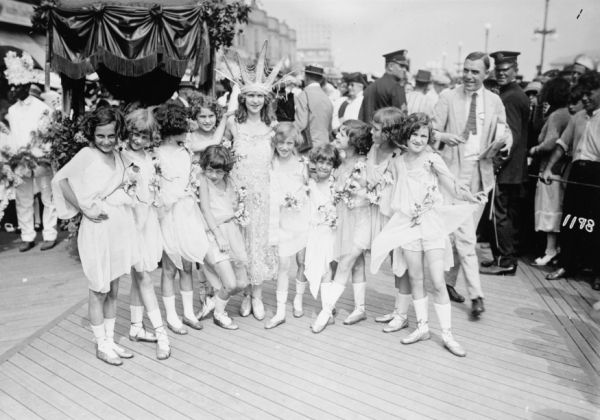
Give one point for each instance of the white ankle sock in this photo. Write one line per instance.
(281, 302)
(99, 333)
(109, 329)
(171, 312)
(187, 298)
(220, 305)
(402, 304)
(136, 314)
(360, 290)
(444, 313)
(155, 318)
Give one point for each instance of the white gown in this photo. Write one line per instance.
(150, 242)
(321, 237)
(181, 221)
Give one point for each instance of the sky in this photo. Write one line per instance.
(431, 30)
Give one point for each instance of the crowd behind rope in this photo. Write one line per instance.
(242, 185)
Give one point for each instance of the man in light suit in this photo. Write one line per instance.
(470, 124)
(314, 110)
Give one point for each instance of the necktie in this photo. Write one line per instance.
(471, 126)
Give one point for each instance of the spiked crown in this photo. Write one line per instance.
(252, 79)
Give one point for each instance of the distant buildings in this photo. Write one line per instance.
(314, 43)
(261, 27)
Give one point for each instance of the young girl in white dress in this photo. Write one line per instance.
(183, 230)
(142, 129)
(289, 198)
(93, 184)
(323, 219)
(226, 257)
(421, 223)
(353, 233)
(386, 130)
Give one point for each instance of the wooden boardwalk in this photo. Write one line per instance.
(534, 354)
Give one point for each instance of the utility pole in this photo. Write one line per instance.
(544, 31)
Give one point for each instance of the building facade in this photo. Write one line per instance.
(314, 44)
(262, 27)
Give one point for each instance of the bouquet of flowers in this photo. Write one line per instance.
(241, 216)
(154, 185)
(59, 139)
(328, 215)
(421, 208)
(195, 179)
(132, 176)
(290, 201)
(347, 192)
(375, 192)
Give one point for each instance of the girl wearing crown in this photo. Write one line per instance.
(250, 133)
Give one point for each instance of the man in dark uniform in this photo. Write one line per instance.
(512, 171)
(387, 90)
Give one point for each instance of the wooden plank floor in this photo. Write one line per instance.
(35, 288)
(524, 361)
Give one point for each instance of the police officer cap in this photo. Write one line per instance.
(397, 57)
(501, 57)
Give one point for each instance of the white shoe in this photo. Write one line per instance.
(140, 333)
(356, 316)
(224, 321)
(421, 333)
(246, 306)
(163, 347)
(323, 320)
(120, 351)
(385, 318)
(452, 345)
(396, 324)
(543, 261)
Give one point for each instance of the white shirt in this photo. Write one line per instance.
(420, 102)
(24, 118)
(351, 111)
(472, 146)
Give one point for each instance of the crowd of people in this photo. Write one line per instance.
(323, 176)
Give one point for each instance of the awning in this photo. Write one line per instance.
(130, 40)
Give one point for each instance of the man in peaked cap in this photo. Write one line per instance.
(387, 90)
(350, 107)
(512, 172)
(314, 110)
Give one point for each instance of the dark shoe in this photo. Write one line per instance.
(26, 246)
(556, 275)
(496, 270)
(192, 323)
(489, 263)
(46, 245)
(596, 283)
(454, 295)
(477, 307)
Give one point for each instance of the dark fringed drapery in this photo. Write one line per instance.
(139, 51)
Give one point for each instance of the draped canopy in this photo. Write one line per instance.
(132, 46)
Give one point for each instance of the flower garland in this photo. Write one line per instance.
(241, 215)
(348, 191)
(8, 180)
(375, 193)
(131, 180)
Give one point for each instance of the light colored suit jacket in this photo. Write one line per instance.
(316, 115)
(450, 116)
